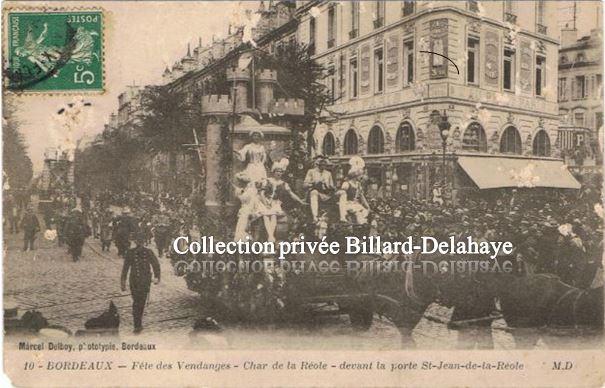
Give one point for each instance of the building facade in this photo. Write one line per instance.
(580, 86)
(223, 93)
(403, 69)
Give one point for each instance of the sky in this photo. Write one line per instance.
(142, 38)
(589, 14)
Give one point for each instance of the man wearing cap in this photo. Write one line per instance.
(76, 231)
(140, 262)
(319, 185)
(30, 226)
(124, 227)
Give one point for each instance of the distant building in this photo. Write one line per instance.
(196, 74)
(400, 68)
(129, 108)
(580, 97)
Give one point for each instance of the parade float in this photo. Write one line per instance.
(251, 151)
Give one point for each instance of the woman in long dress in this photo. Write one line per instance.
(255, 157)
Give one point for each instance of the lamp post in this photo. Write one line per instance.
(444, 131)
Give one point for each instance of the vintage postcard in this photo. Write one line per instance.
(302, 193)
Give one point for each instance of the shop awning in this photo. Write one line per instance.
(495, 172)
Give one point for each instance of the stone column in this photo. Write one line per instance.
(213, 145)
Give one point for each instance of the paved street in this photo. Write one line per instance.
(69, 293)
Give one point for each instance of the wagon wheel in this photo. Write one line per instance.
(361, 318)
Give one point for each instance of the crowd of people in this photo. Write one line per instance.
(117, 218)
(557, 233)
(560, 234)
(553, 232)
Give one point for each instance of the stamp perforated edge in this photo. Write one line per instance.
(6, 9)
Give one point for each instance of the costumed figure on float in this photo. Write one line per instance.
(254, 156)
(351, 200)
(250, 208)
(272, 193)
(319, 185)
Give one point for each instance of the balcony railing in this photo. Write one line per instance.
(353, 33)
(331, 42)
(378, 22)
(541, 29)
(510, 18)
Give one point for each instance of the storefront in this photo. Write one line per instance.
(416, 175)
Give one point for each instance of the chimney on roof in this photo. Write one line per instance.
(569, 36)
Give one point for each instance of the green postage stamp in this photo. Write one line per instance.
(54, 51)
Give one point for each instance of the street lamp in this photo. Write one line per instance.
(444, 130)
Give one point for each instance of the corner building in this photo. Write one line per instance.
(581, 99)
(494, 82)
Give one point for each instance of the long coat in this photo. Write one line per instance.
(76, 230)
(30, 224)
(139, 262)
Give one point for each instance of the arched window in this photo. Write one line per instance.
(350, 146)
(580, 57)
(405, 140)
(375, 141)
(474, 138)
(329, 145)
(510, 143)
(541, 146)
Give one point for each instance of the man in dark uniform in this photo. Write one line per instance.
(124, 226)
(105, 230)
(30, 226)
(139, 261)
(161, 233)
(76, 230)
(61, 222)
